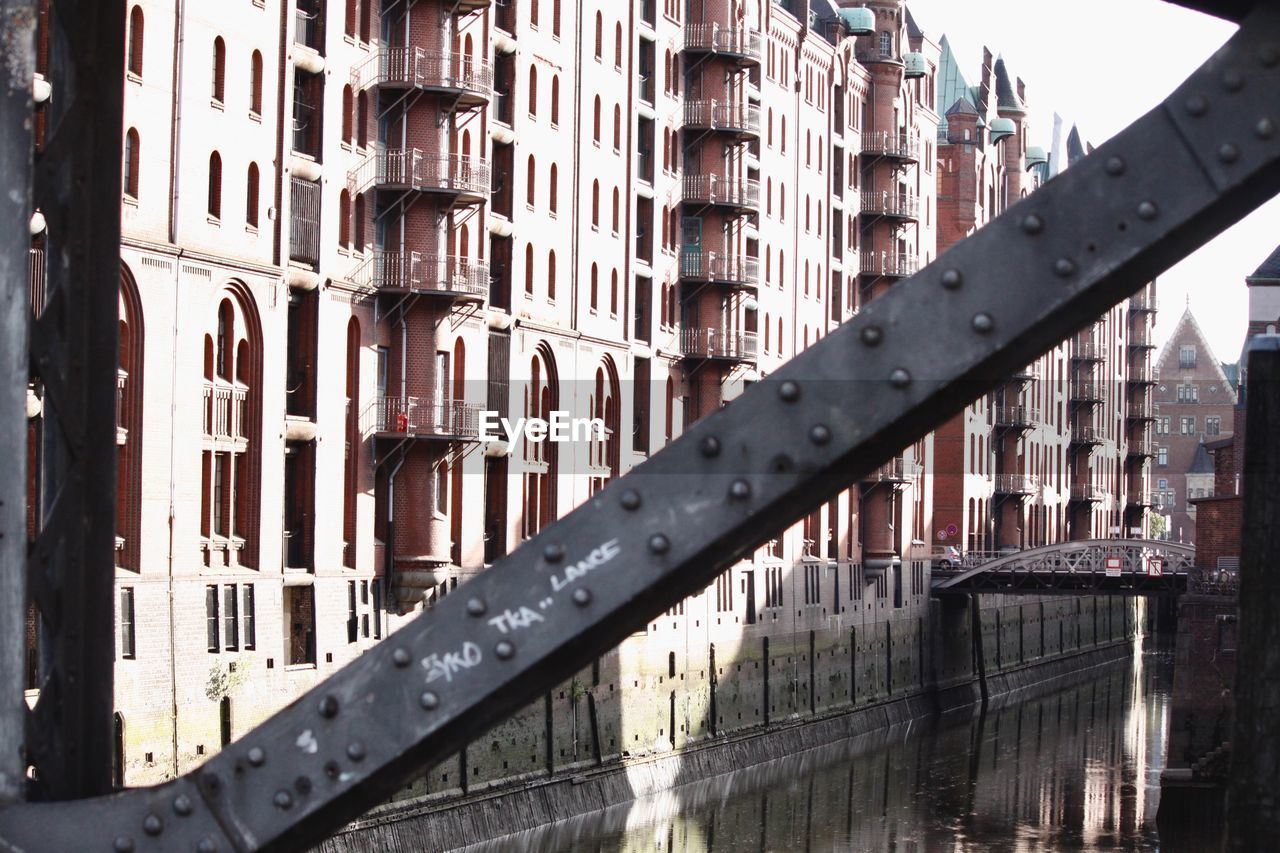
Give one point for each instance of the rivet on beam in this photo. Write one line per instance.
(982, 323)
(820, 434)
(630, 500)
(659, 544)
(553, 553)
(1115, 166)
(952, 279)
(1064, 267)
(872, 336)
(789, 391)
(1032, 224)
(740, 490)
(476, 607)
(1196, 105)
(1147, 210)
(900, 378)
(329, 707)
(582, 597)
(1228, 153)
(505, 650)
(429, 701)
(710, 447)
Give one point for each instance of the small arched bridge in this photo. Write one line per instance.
(1084, 567)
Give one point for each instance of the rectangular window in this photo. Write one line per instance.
(248, 622)
(1189, 425)
(300, 616)
(211, 619)
(1162, 455)
(128, 648)
(1213, 426)
(230, 624)
(1186, 356)
(377, 609)
(724, 592)
(1162, 426)
(219, 494)
(352, 633)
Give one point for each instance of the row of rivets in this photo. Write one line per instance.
(329, 707)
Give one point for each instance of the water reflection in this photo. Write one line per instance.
(1077, 769)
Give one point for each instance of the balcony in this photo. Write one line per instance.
(419, 417)
(718, 345)
(468, 6)
(740, 119)
(744, 46)
(889, 264)
(224, 407)
(1140, 410)
(1141, 338)
(894, 145)
(1085, 436)
(1087, 492)
(1141, 498)
(1143, 447)
(1087, 392)
(1141, 374)
(1030, 373)
(433, 275)
(896, 470)
(467, 79)
(717, 268)
(741, 194)
(1016, 484)
(1017, 417)
(412, 170)
(893, 205)
(1144, 304)
(1087, 351)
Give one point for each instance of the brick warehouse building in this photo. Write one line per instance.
(349, 229)
(1195, 402)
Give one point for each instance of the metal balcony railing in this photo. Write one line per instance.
(716, 343)
(1087, 351)
(1085, 435)
(884, 203)
(717, 267)
(1141, 337)
(1141, 498)
(885, 144)
(722, 115)
(1087, 492)
(1027, 374)
(1142, 447)
(411, 168)
(1017, 417)
(1087, 392)
(1140, 410)
(718, 38)
(1016, 484)
(889, 264)
(718, 189)
(414, 66)
(420, 416)
(1142, 374)
(896, 470)
(1144, 304)
(224, 407)
(404, 270)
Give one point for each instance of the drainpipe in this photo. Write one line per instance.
(173, 412)
(175, 133)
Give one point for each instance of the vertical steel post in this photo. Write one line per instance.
(73, 354)
(1253, 807)
(17, 40)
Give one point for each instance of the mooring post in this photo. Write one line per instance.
(1254, 800)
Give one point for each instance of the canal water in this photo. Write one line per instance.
(1075, 769)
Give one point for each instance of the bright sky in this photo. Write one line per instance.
(1102, 64)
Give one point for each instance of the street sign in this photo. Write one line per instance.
(1155, 566)
(1113, 566)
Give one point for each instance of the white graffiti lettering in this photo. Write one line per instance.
(449, 664)
(597, 558)
(508, 621)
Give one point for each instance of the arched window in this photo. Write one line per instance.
(595, 127)
(595, 204)
(215, 185)
(768, 266)
(129, 413)
(347, 106)
(782, 136)
(553, 191)
(533, 83)
(599, 36)
(132, 160)
(782, 271)
(617, 127)
(663, 321)
(781, 351)
(808, 148)
(766, 332)
(555, 99)
(531, 180)
(528, 270)
(617, 45)
(352, 17)
(251, 196)
(551, 275)
(613, 294)
(344, 219)
(219, 68)
(616, 210)
(595, 287)
(782, 202)
(255, 83)
(768, 197)
(136, 40)
(806, 277)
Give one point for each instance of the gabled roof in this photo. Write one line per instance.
(1006, 98)
(1202, 344)
(1269, 270)
(1202, 463)
(962, 107)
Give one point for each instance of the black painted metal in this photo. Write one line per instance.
(73, 346)
(1232, 10)
(17, 27)
(912, 358)
(1069, 583)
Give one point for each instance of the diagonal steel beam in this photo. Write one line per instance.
(912, 358)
